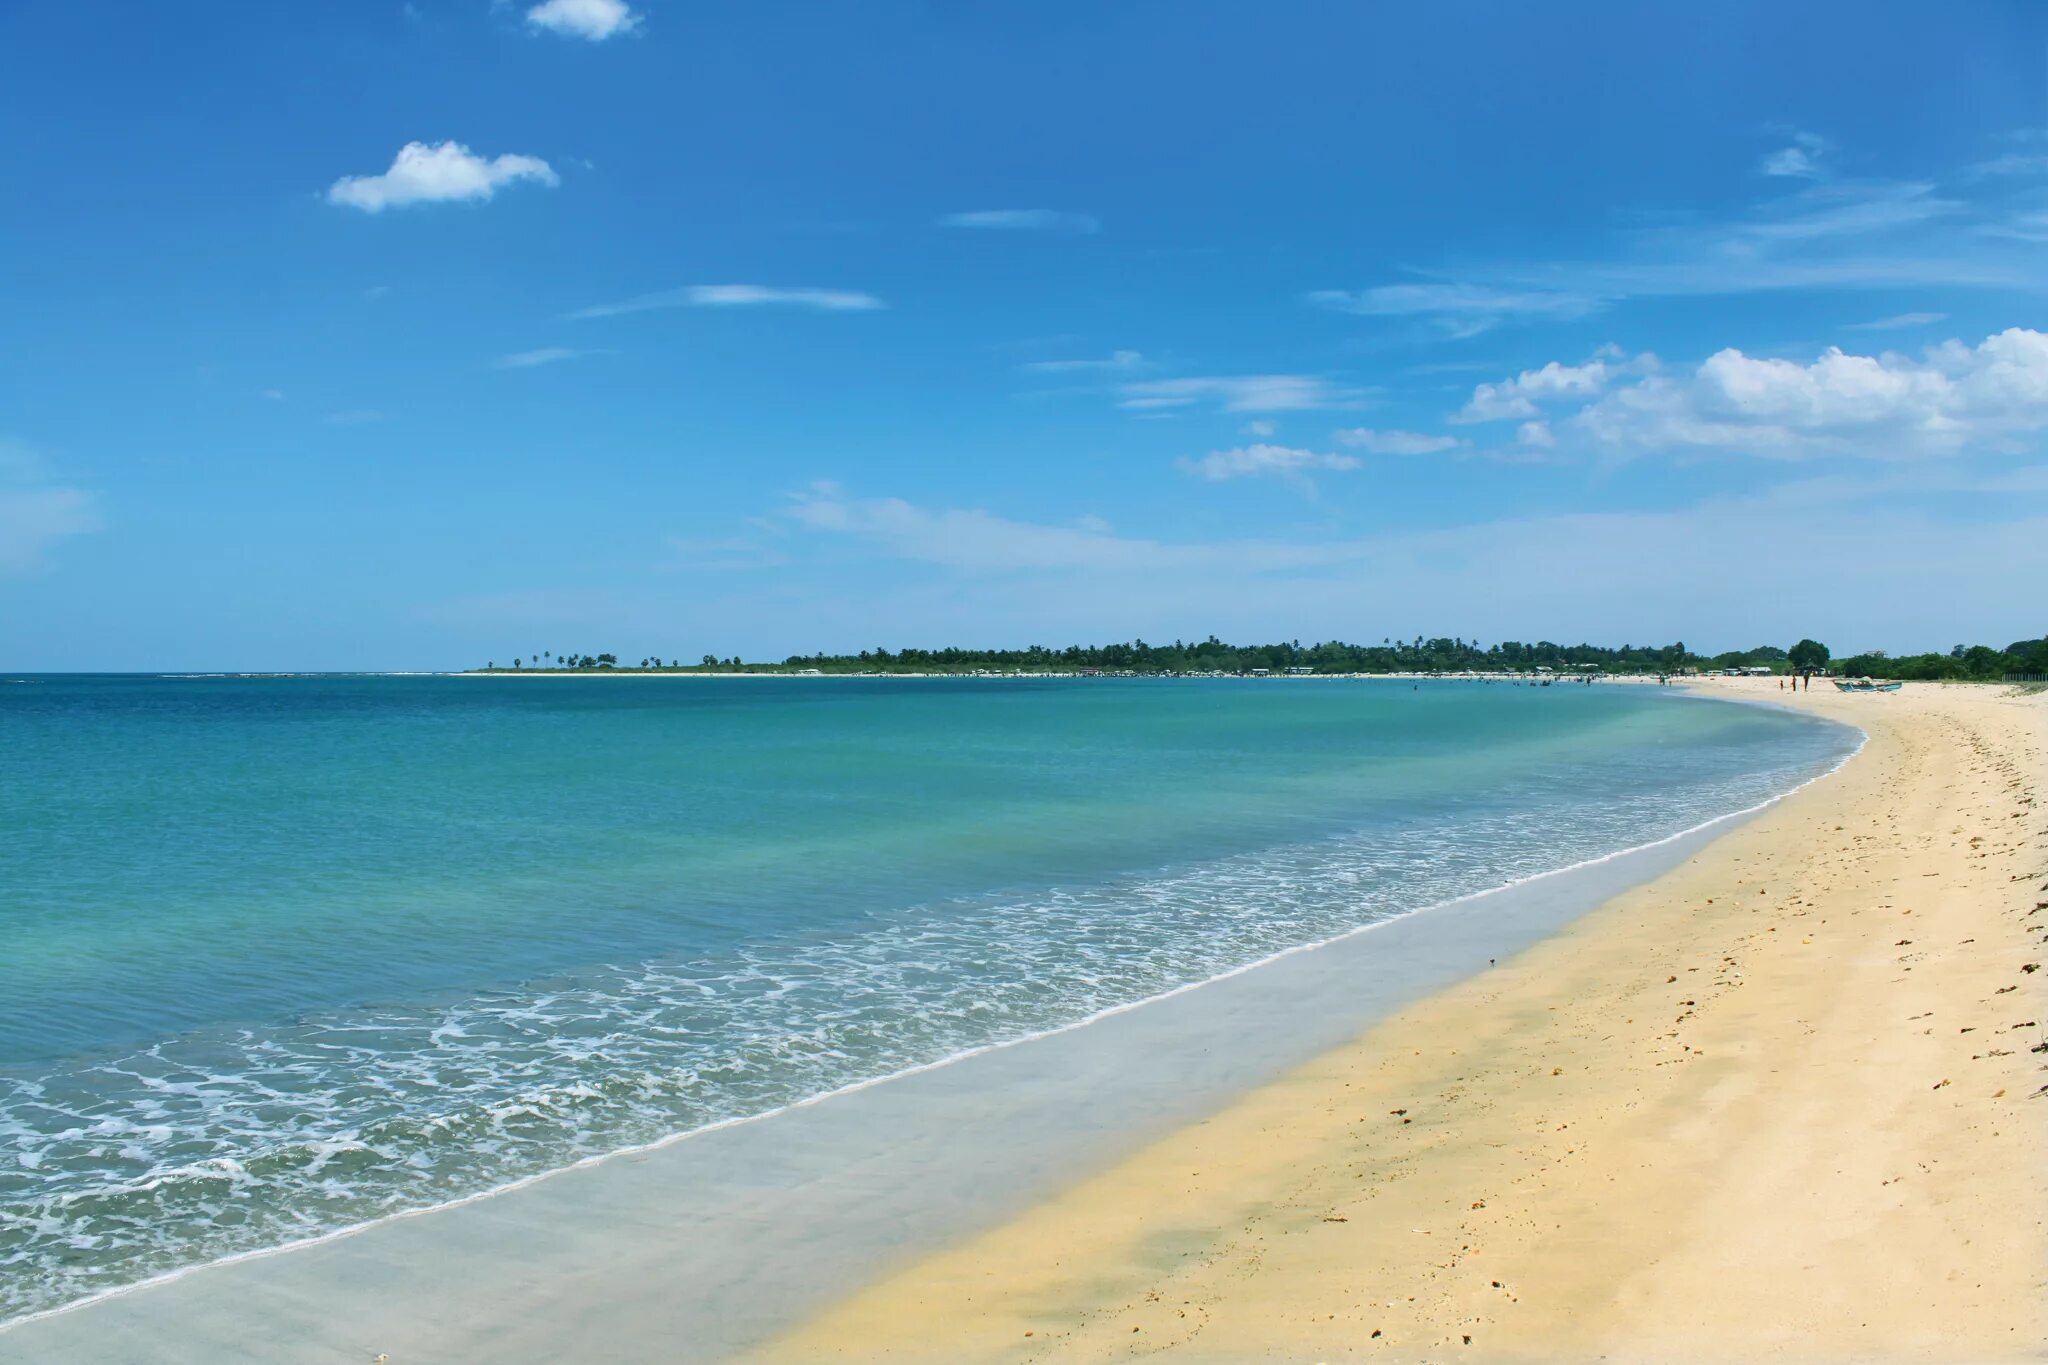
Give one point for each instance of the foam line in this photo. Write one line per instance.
(949, 1060)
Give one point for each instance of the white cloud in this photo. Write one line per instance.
(2013, 163)
(965, 538)
(1790, 161)
(1824, 234)
(1886, 406)
(1536, 435)
(1897, 321)
(1801, 160)
(1240, 393)
(595, 20)
(422, 174)
(1385, 442)
(1591, 575)
(35, 514)
(1464, 309)
(1518, 397)
(738, 296)
(1262, 428)
(1024, 220)
(1115, 360)
(1268, 461)
(526, 360)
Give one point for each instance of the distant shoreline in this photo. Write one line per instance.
(993, 676)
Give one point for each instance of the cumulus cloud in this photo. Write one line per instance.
(1518, 397)
(423, 174)
(1992, 396)
(594, 20)
(1265, 461)
(1023, 220)
(1384, 442)
(1240, 393)
(738, 296)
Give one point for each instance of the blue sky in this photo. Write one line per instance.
(410, 335)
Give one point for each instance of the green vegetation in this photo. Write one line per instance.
(1808, 656)
(1444, 655)
(1420, 655)
(2022, 659)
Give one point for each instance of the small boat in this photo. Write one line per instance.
(1867, 686)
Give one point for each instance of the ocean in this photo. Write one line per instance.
(283, 955)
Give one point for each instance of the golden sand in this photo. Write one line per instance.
(1776, 1105)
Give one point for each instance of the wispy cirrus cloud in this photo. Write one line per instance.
(1240, 393)
(1463, 308)
(591, 20)
(723, 554)
(1113, 363)
(1629, 573)
(1375, 441)
(738, 296)
(2013, 163)
(545, 355)
(1895, 322)
(1288, 463)
(1024, 220)
(443, 172)
(37, 514)
(1803, 157)
(1827, 234)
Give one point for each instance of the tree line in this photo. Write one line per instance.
(1450, 654)
(1964, 663)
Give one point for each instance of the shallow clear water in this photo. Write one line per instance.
(280, 955)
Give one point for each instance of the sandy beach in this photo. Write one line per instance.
(1779, 1103)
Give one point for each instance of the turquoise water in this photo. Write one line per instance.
(279, 955)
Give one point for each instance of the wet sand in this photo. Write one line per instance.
(1781, 1103)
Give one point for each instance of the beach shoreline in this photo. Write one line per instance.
(1697, 1124)
(1071, 1101)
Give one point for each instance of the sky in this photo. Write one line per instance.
(415, 335)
